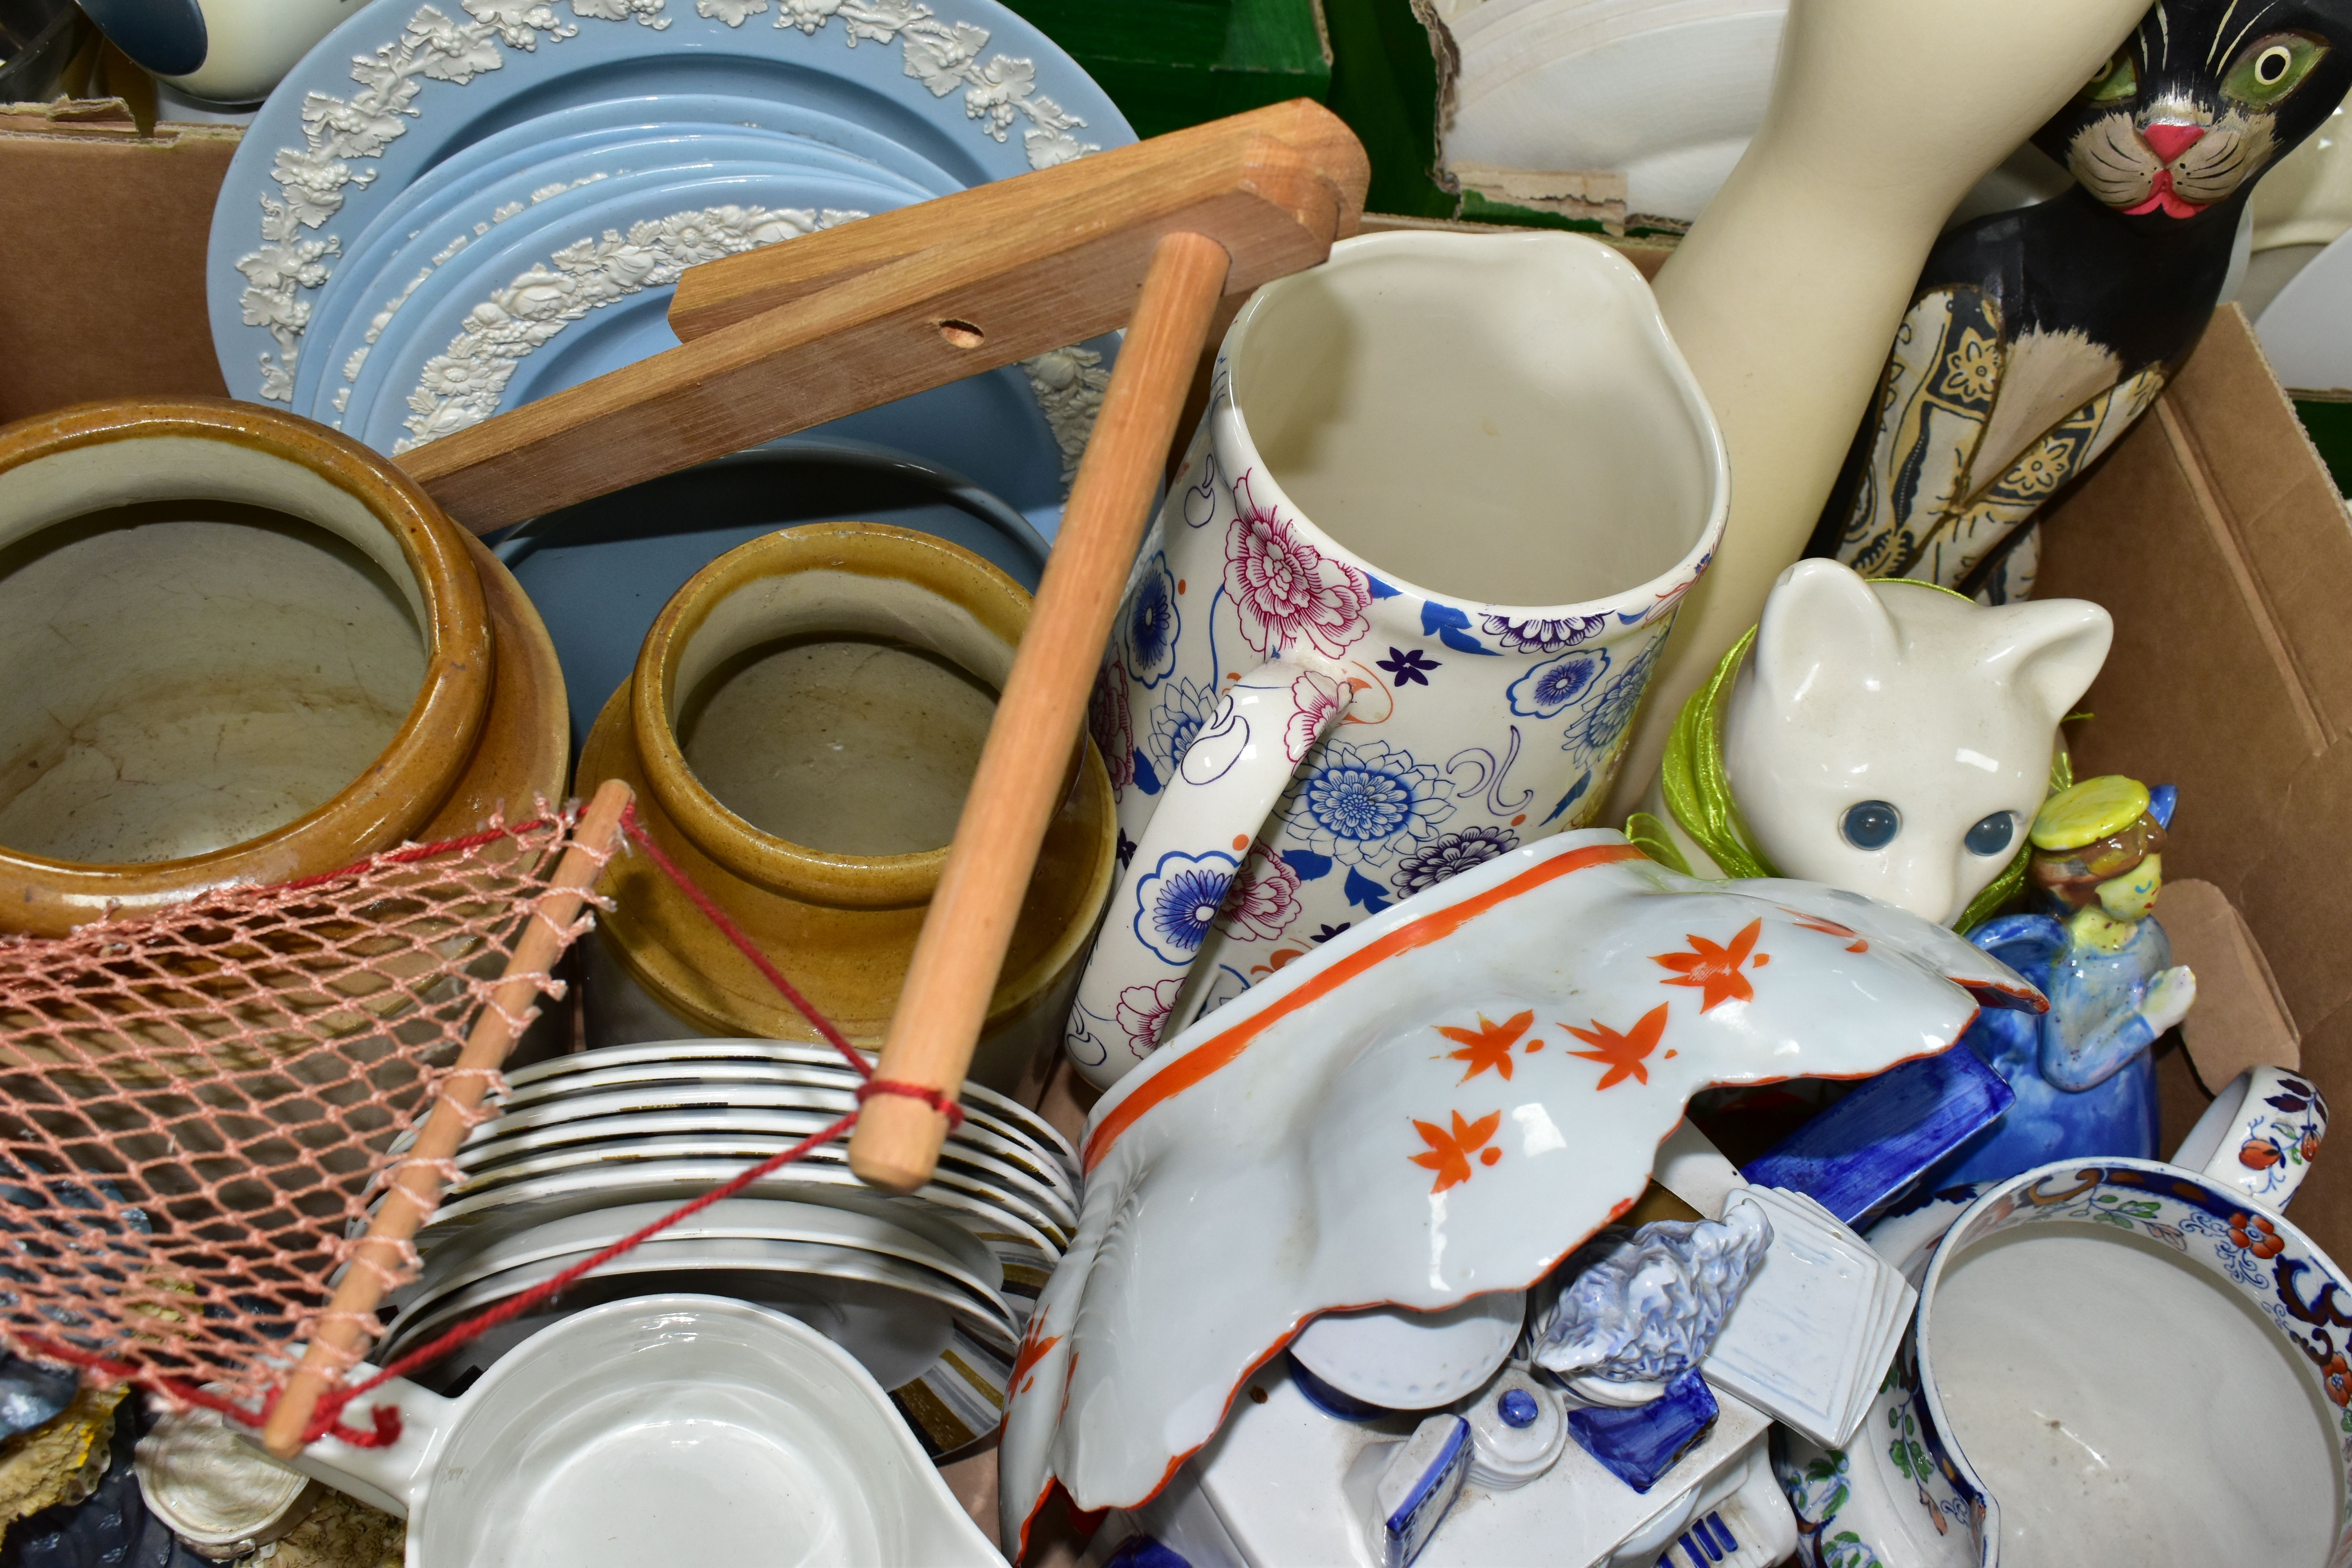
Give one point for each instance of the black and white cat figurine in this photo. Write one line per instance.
(2036, 337)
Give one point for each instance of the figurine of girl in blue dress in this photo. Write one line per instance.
(2084, 1082)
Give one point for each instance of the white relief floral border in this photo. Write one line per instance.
(339, 132)
(462, 384)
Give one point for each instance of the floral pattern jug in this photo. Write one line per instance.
(1398, 608)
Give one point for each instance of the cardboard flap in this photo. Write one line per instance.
(2240, 1019)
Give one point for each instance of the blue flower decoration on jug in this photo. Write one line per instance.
(1548, 691)
(1185, 706)
(1408, 665)
(1600, 730)
(1449, 855)
(1200, 497)
(1533, 636)
(1177, 902)
(1152, 623)
(1366, 803)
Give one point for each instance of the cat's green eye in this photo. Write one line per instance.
(2116, 80)
(2269, 69)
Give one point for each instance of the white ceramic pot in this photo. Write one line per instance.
(2114, 1362)
(1398, 608)
(687, 1429)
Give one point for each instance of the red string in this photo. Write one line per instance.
(727, 928)
(327, 1418)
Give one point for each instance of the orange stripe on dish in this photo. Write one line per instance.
(1196, 1064)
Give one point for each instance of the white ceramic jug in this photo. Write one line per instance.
(1399, 609)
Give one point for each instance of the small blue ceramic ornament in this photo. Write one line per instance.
(2085, 1084)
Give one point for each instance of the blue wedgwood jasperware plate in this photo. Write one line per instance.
(550, 136)
(433, 227)
(403, 85)
(445, 359)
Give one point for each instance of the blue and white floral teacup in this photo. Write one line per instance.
(2118, 1361)
(1512, 479)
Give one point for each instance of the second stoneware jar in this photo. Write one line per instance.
(240, 647)
(801, 731)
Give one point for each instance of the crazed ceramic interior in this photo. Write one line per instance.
(1478, 417)
(238, 648)
(802, 727)
(2119, 1362)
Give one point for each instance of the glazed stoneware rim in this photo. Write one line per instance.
(2161, 1179)
(407, 784)
(1625, 607)
(769, 860)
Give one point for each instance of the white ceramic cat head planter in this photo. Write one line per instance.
(1438, 1104)
(1889, 738)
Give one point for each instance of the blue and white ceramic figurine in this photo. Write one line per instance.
(2085, 1084)
(1639, 1308)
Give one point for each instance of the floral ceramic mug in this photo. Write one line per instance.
(1398, 610)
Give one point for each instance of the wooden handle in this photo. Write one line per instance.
(339, 1340)
(831, 323)
(945, 999)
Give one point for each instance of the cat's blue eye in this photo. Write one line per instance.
(1994, 834)
(1871, 823)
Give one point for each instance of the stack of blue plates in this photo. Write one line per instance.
(450, 209)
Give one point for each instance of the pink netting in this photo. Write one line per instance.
(198, 1111)
(194, 1107)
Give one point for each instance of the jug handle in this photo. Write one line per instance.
(1223, 788)
(391, 1477)
(2259, 1136)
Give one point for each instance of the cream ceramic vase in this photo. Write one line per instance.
(1788, 287)
(240, 647)
(801, 731)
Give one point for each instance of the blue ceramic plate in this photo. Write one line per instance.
(449, 357)
(600, 571)
(405, 85)
(551, 136)
(706, 197)
(580, 260)
(394, 259)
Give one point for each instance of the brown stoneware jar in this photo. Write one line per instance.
(241, 647)
(800, 729)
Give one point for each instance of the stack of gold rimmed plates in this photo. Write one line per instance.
(930, 1290)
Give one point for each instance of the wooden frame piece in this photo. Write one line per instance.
(783, 339)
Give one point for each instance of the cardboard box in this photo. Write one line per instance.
(2213, 533)
(2215, 536)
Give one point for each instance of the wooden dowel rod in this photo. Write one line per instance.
(339, 1337)
(954, 970)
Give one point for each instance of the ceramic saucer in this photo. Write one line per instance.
(1400, 1359)
(576, 1181)
(734, 1127)
(680, 1054)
